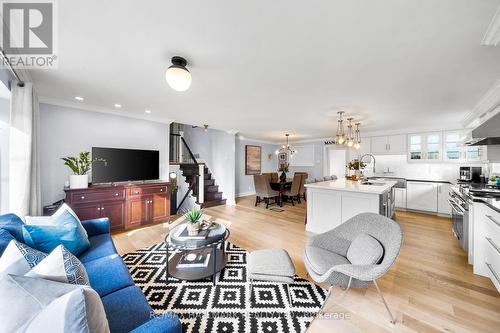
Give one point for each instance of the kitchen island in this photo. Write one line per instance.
(333, 202)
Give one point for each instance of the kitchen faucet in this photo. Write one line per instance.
(371, 157)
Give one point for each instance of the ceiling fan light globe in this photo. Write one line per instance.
(178, 78)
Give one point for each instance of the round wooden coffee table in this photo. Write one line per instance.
(215, 240)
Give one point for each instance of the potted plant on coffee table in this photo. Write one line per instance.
(80, 166)
(193, 218)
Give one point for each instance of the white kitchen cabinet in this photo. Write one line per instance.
(388, 145)
(379, 145)
(397, 144)
(444, 207)
(422, 196)
(400, 197)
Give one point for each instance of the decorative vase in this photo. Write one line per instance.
(283, 176)
(78, 181)
(193, 228)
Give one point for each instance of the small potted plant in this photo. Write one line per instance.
(80, 166)
(356, 165)
(193, 218)
(284, 169)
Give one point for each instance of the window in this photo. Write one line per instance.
(452, 149)
(4, 147)
(415, 147)
(433, 144)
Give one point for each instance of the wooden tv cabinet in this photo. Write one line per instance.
(127, 206)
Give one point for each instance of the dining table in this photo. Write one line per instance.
(280, 186)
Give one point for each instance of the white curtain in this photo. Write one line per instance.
(24, 164)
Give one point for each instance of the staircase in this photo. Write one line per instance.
(212, 196)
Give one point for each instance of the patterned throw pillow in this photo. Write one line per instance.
(19, 258)
(61, 266)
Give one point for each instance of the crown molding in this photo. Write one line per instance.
(492, 35)
(244, 138)
(100, 109)
(487, 107)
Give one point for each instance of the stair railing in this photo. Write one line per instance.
(186, 156)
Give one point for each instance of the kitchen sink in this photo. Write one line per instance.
(372, 183)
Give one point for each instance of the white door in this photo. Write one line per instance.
(396, 144)
(400, 197)
(379, 145)
(337, 162)
(422, 196)
(444, 207)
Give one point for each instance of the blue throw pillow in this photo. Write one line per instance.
(13, 224)
(64, 230)
(5, 238)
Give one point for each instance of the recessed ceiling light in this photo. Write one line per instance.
(78, 98)
(148, 111)
(118, 105)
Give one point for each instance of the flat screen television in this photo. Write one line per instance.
(125, 165)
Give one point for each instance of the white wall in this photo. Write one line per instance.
(68, 131)
(315, 171)
(244, 183)
(217, 149)
(4, 154)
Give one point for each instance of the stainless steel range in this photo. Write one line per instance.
(461, 197)
(459, 203)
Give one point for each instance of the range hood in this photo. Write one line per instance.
(486, 134)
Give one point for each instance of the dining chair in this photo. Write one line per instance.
(294, 191)
(274, 176)
(302, 190)
(263, 191)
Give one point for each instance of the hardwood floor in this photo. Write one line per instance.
(431, 288)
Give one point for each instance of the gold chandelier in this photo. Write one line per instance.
(352, 138)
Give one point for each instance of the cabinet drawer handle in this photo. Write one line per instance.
(493, 220)
(493, 272)
(492, 243)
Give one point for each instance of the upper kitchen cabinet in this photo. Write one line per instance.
(425, 146)
(388, 145)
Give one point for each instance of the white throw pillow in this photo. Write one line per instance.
(25, 299)
(62, 266)
(79, 311)
(19, 258)
(47, 220)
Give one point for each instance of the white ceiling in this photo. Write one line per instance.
(264, 68)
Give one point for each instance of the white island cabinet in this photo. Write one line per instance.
(333, 202)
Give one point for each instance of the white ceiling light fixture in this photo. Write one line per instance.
(147, 111)
(79, 98)
(178, 77)
(116, 105)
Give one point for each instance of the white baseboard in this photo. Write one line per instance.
(244, 194)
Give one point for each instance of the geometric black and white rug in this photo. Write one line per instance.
(225, 307)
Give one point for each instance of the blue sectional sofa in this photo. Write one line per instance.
(126, 306)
